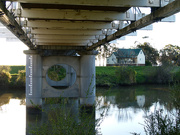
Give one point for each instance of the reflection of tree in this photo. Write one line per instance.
(5, 96)
(125, 99)
(124, 114)
(4, 100)
(22, 102)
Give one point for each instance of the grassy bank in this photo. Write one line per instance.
(111, 76)
(12, 77)
(107, 76)
(15, 69)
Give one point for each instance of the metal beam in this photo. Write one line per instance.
(8, 20)
(61, 44)
(157, 15)
(75, 7)
(62, 47)
(78, 15)
(69, 25)
(66, 32)
(84, 41)
(115, 3)
(61, 37)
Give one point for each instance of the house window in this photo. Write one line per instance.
(140, 59)
(107, 60)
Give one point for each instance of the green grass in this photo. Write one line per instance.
(105, 70)
(15, 69)
(105, 76)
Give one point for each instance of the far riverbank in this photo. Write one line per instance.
(114, 76)
(109, 76)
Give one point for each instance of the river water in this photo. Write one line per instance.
(122, 109)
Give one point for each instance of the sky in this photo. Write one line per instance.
(163, 33)
(11, 53)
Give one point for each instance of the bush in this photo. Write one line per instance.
(5, 68)
(176, 77)
(5, 78)
(21, 79)
(64, 117)
(160, 123)
(163, 74)
(159, 75)
(148, 63)
(125, 76)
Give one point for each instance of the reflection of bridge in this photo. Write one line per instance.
(56, 31)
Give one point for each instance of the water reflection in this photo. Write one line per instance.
(12, 118)
(63, 117)
(124, 106)
(12, 112)
(127, 106)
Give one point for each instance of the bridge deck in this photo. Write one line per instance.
(78, 24)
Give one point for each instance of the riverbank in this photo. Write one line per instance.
(12, 77)
(114, 76)
(107, 76)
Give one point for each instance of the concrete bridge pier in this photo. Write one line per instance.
(79, 81)
(87, 82)
(33, 79)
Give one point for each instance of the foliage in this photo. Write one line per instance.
(160, 123)
(163, 74)
(125, 76)
(106, 76)
(17, 79)
(170, 54)
(160, 75)
(176, 77)
(21, 79)
(151, 54)
(68, 119)
(5, 68)
(148, 63)
(56, 73)
(15, 69)
(5, 76)
(106, 50)
(62, 122)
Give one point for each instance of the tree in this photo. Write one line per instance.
(5, 76)
(105, 51)
(150, 53)
(170, 54)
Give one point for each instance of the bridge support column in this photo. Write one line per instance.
(87, 80)
(33, 79)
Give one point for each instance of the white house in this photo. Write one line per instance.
(134, 57)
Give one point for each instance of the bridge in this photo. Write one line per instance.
(66, 33)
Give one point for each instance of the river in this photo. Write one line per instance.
(123, 109)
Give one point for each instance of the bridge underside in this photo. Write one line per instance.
(53, 29)
(73, 26)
